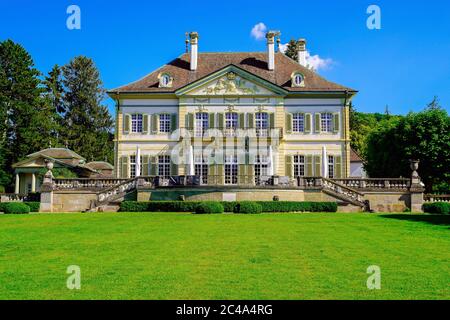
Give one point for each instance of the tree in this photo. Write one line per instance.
(87, 123)
(422, 136)
(25, 125)
(291, 49)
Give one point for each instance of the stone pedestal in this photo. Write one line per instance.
(416, 192)
(46, 198)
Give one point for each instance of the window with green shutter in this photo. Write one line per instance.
(251, 120)
(309, 166)
(174, 122)
(307, 122)
(288, 123)
(289, 164)
(336, 123)
(338, 167)
(272, 120)
(211, 120)
(317, 123)
(145, 124)
(145, 165)
(153, 165)
(124, 167)
(317, 166)
(126, 123)
(155, 124)
(241, 120)
(190, 121)
(221, 120)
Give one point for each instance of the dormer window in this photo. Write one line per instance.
(298, 80)
(165, 80)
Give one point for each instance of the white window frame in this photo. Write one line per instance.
(201, 167)
(326, 122)
(137, 123)
(262, 124)
(231, 123)
(299, 165)
(298, 122)
(164, 166)
(231, 169)
(165, 123)
(331, 169)
(201, 123)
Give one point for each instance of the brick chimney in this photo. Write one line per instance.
(193, 39)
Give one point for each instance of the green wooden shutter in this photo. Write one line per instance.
(154, 126)
(272, 120)
(145, 124)
(212, 174)
(309, 166)
(145, 165)
(251, 120)
(173, 168)
(289, 166)
(288, 123)
(317, 123)
(153, 165)
(124, 167)
(308, 123)
(241, 120)
(126, 123)
(174, 122)
(241, 174)
(317, 166)
(211, 122)
(221, 123)
(338, 167)
(190, 121)
(336, 123)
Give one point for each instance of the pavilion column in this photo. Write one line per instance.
(17, 191)
(33, 182)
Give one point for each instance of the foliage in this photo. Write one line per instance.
(87, 123)
(423, 136)
(437, 207)
(34, 206)
(248, 207)
(190, 206)
(16, 207)
(291, 49)
(209, 207)
(2, 189)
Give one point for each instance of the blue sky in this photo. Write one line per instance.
(403, 65)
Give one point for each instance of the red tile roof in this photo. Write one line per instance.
(354, 157)
(253, 62)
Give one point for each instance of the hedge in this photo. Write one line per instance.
(437, 207)
(209, 207)
(190, 206)
(16, 207)
(248, 207)
(34, 206)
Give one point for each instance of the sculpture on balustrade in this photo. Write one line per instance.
(47, 184)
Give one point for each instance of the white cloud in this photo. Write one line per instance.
(258, 31)
(314, 62)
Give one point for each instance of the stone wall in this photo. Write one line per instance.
(388, 201)
(73, 201)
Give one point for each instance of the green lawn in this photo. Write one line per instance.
(185, 256)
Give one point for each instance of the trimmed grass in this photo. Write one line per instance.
(186, 256)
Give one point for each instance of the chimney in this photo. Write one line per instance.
(193, 39)
(301, 52)
(270, 35)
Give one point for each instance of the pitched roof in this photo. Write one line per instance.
(57, 153)
(99, 165)
(354, 157)
(253, 62)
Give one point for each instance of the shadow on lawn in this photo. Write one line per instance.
(436, 219)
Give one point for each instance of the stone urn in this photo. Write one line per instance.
(414, 165)
(48, 177)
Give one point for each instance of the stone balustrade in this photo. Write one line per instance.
(436, 198)
(376, 184)
(13, 197)
(85, 183)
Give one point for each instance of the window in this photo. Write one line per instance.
(165, 80)
(262, 165)
(231, 169)
(330, 167)
(164, 123)
(299, 166)
(298, 122)
(201, 124)
(164, 166)
(201, 168)
(133, 166)
(298, 80)
(262, 124)
(326, 122)
(136, 123)
(231, 123)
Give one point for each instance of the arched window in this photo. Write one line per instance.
(298, 80)
(165, 80)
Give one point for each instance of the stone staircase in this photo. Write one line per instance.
(342, 192)
(109, 200)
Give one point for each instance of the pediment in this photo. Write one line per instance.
(231, 81)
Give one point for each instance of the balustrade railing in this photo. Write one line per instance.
(393, 184)
(342, 190)
(85, 183)
(436, 198)
(13, 197)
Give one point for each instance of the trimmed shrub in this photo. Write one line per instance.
(190, 206)
(437, 207)
(34, 206)
(2, 189)
(209, 207)
(16, 207)
(248, 207)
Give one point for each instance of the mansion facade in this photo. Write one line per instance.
(233, 118)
